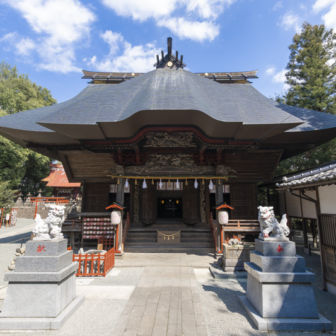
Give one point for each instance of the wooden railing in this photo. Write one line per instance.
(107, 243)
(57, 200)
(94, 264)
(234, 225)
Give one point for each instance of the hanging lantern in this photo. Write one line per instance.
(203, 182)
(126, 184)
(136, 182)
(177, 184)
(211, 185)
(152, 181)
(115, 217)
(186, 182)
(118, 181)
(219, 182)
(169, 182)
(196, 184)
(144, 184)
(160, 184)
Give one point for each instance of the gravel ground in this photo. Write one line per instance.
(94, 317)
(225, 316)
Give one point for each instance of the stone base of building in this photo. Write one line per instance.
(285, 324)
(234, 257)
(51, 323)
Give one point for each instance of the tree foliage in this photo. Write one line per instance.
(311, 76)
(7, 195)
(21, 168)
(19, 93)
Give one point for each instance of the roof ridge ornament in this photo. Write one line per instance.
(169, 60)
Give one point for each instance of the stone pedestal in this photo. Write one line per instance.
(234, 257)
(279, 292)
(41, 292)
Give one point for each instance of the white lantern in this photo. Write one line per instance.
(115, 217)
(223, 217)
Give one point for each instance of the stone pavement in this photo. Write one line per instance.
(165, 302)
(166, 294)
(166, 259)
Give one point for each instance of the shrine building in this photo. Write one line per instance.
(170, 146)
(58, 180)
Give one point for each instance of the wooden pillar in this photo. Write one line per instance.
(131, 209)
(219, 199)
(207, 201)
(304, 226)
(319, 228)
(84, 197)
(120, 200)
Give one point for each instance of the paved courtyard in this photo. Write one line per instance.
(163, 294)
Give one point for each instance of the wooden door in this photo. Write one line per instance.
(96, 197)
(190, 204)
(243, 198)
(148, 204)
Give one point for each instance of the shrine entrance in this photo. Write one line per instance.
(177, 204)
(170, 207)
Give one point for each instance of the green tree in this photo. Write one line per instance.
(36, 168)
(6, 195)
(311, 76)
(19, 93)
(21, 167)
(311, 69)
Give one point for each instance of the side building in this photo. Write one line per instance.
(310, 196)
(58, 180)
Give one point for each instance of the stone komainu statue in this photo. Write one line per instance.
(270, 225)
(51, 228)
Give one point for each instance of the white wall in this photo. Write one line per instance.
(309, 208)
(293, 205)
(328, 199)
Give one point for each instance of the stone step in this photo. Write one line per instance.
(169, 249)
(152, 244)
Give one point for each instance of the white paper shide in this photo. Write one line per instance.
(51, 228)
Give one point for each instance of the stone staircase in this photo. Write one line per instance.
(194, 239)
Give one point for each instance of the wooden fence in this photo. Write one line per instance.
(328, 246)
(94, 264)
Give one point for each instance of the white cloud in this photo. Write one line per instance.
(270, 71)
(196, 11)
(330, 17)
(194, 30)
(279, 77)
(277, 6)
(290, 20)
(22, 45)
(125, 57)
(60, 24)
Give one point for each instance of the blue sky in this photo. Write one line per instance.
(52, 40)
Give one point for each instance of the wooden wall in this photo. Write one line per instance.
(243, 198)
(90, 165)
(96, 197)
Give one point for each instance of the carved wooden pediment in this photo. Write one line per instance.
(164, 139)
